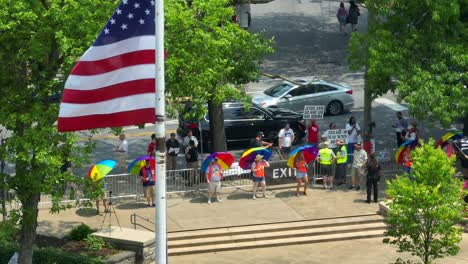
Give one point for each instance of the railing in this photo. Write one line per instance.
(133, 221)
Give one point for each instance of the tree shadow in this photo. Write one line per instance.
(244, 195)
(86, 212)
(131, 206)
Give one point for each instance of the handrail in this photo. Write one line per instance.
(133, 221)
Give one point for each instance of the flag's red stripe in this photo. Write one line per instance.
(86, 68)
(108, 92)
(128, 118)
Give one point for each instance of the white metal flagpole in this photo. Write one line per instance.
(160, 153)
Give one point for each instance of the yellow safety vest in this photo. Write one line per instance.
(342, 159)
(326, 156)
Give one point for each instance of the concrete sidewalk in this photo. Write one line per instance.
(192, 211)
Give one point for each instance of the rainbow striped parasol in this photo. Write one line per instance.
(310, 154)
(101, 169)
(225, 160)
(400, 150)
(248, 157)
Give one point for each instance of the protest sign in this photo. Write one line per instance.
(313, 111)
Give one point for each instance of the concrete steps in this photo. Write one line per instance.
(275, 234)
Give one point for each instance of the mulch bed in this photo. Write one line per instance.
(80, 247)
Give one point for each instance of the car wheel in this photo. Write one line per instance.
(335, 108)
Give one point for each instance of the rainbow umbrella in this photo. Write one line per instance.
(225, 160)
(450, 135)
(309, 151)
(101, 169)
(135, 166)
(248, 157)
(400, 150)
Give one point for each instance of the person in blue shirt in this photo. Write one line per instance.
(148, 178)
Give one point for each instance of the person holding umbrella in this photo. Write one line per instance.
(301, 173)
(214, 175)
(258, 171)
(147, 176)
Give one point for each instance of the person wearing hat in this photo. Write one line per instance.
(258, 141)
(285, 141)
(258, 172)
(358, 167)
(326, 157)
(341, 160)
(214, 175)
(412, 133)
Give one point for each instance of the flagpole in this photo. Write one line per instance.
(160, 153)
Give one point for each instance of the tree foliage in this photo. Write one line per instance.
(422, 45)
(39, 43)
(425, 210)
(209, 56)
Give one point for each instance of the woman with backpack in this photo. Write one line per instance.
(353, 14)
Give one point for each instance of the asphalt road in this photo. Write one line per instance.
(308, 44)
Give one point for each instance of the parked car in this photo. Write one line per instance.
(241, 125)
(337, 98)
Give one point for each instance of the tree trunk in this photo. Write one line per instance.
(217, 134)
(465, 125)
(28, 228)
(367, 107)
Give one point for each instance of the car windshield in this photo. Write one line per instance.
(278, 90)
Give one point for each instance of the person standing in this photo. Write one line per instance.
(122, 153)
(148, 178)
(326, 137)
(189, 137)
(462, 154)
(353, 15)
(301, 173)
(326, 157)
(412, 133)
(313, 132)
(341, 15)
(358, 167)
(354, 131)
(407, 161)
(258, 141)
(102, 195)
(400, 125)
(373, 178)
(192, 163)
(172, 148)
(258, 171)
(341, 159)
(214, 175)
(285, 141)
(152, 146)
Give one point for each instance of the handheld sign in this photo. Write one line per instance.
(334, 134)
(313, 111)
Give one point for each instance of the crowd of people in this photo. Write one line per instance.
(334, 158)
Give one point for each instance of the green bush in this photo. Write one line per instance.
(8, 231)
(94, 243)
(57, 256)
(7, 249)
(80, 233)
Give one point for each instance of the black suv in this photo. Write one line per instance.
(242, 125)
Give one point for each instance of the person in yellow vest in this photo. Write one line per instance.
(258, 171)
(326, 157)
(341, 160)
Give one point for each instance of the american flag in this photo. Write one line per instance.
(113, 83)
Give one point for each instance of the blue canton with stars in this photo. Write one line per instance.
(132, 18)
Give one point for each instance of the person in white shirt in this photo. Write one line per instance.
(332, 145)
(122, 153)
(285, 141)
(189, 137)
(354, 132)
(358, 168)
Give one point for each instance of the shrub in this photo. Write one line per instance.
(8, 231)
(94, 243)
(57, 256)
(7, 249)
(80, 233)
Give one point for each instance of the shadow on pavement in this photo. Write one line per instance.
(199, 199)
(286, 194)
(131, 206)
(86, 212)
(240, 195)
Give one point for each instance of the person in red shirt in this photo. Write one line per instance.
(313, 132)
(152, 145)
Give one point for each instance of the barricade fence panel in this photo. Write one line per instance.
(193, 180)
